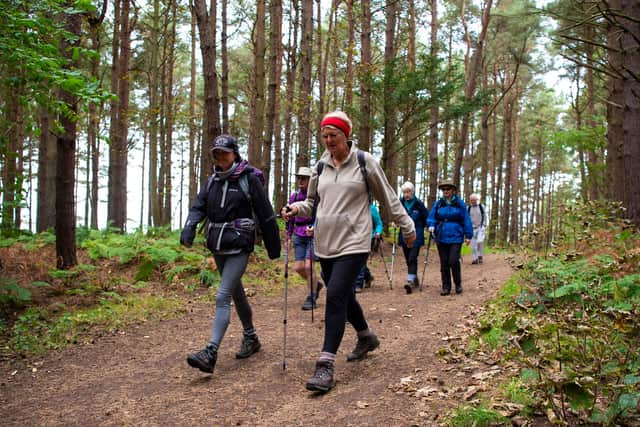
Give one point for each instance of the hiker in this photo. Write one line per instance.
(418, 213)
(339, 193)
(233, 200)
(450, 225)
(301, 228)
(365, 277)
(476, 213)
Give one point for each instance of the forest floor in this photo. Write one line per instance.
(139, 375)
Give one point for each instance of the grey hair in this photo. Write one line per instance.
(474, 196)
(407, 186)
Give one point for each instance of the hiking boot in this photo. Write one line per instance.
(363, 346)
(479, 260)
(205, 360)
(475, 261)
(250, 345)
(408, 287)
(322, 379)
(445, 292)
(458, 289)
(309, 303)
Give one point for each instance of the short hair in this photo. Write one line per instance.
(474, 196)
(407, 186)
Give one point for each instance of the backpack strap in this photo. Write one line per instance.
(363, 170)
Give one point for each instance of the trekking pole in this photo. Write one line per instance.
(313, 301)
(286, 289)
(385, 264)
(426, 257)
(393, 256)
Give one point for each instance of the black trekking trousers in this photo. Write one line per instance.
(450, 264)
(340, 274)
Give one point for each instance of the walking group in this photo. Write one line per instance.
(332, 220)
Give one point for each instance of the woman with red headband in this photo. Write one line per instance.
(339, 195)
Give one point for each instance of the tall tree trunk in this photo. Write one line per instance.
(351, 45)
(256, 106)
(224, 59)
(272, 132)
(66, 141)
(389, 142)
(471, 76)
(291, 78)
(193, 128)
(366, 77)
(409, 131)
(117, 210)
(47, 161)
(508, 143)
(207, 31)
(155, 196)
(435, 113)
(304, 93)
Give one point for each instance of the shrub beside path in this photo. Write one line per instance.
(139, 376)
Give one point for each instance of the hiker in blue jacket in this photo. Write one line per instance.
(450, 224)
(235, 203)
(418, 213)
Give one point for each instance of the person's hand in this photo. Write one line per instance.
(378, 236)
(467, 241)
(408, 241)
(309, 230)
(288, 212)
(392, 225)
(187, 236)
(431, 229)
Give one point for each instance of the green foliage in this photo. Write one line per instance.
(572, 320)
(476, 417)
(12, 294)
(36, 330)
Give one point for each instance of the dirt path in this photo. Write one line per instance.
(140, 377)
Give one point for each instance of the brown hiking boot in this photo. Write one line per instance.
(363, 346)
(322, 379)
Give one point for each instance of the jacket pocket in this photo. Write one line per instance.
(222, 238)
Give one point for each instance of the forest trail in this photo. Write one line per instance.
(140, 376)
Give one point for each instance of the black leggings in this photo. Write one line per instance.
(450, 264)
(340, 274)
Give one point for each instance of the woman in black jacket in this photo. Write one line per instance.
(235, 203)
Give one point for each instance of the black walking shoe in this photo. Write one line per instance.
(408, 287)
(250, 345)
(309, 303)
(205, 360)
(479, 260)
(475, 261)
(444, 292)
(363, 346)
(416, 283)
(458, 289)
(322, 379)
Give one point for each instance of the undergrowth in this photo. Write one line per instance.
(117, 286)
(571, 320)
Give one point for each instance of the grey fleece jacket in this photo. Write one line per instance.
(343, 218)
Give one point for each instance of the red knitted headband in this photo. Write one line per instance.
(336, 122)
